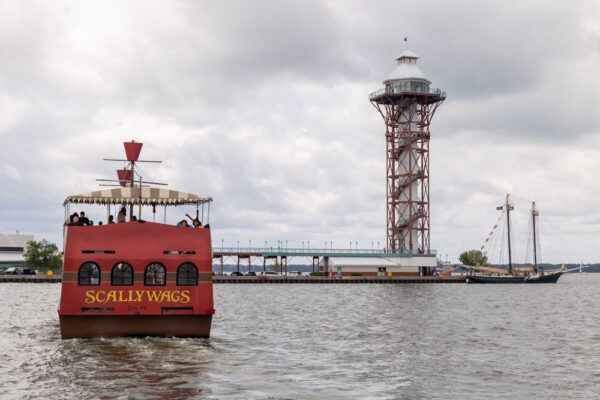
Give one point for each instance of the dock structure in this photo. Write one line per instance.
(31, 278)
(331, 262)
(273, 279)
(335, 280)
(340, 265)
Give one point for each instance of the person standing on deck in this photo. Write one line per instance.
(83, 219)
(122, 214)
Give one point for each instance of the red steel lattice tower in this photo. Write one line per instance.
(407, 105)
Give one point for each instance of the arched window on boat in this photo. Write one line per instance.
(187, 275)
(155, 275)
(89, 274)
(122, 274)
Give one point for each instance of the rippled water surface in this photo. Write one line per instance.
(451, 341)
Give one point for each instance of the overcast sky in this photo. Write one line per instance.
(264, 106)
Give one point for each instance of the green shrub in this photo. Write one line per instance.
(356, 274)
(316, 274)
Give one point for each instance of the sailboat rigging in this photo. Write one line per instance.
(512, 274)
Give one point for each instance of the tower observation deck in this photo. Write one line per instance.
(407, 104)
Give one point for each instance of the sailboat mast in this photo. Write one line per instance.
(533, 215)
(508, 230)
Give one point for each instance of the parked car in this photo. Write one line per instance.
(235, 273)
(12, 271)
(295, 273)
(27, 271)
(270, 273)
(251, 273)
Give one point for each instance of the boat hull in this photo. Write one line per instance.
(494, 279)
(166, 304)
(93, 326)
(551, 278)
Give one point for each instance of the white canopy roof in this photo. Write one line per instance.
(135, 195)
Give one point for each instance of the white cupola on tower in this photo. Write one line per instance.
(407, 77)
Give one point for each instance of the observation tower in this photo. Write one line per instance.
(407, 104)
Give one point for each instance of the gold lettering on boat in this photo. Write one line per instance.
(121, 296)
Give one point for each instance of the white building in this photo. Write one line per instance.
(11, 249)
(375, 266)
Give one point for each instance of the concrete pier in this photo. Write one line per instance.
(345, 279)
(273, 279)
(31, 278)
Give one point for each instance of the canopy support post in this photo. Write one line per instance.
(165, 214)
(140, 205)
(208, 215)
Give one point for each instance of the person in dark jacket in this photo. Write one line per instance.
(83, 219)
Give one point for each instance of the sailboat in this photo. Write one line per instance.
(511, 275)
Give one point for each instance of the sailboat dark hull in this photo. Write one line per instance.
(551, 278)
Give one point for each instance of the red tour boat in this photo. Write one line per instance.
(136, 278)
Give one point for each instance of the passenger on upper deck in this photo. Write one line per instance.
(122, 214)
(83, 219)
(195, 221)
(70, 221)
(74, 220)
(183, 223)
(111, 219)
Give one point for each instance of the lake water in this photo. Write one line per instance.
(405, 341)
